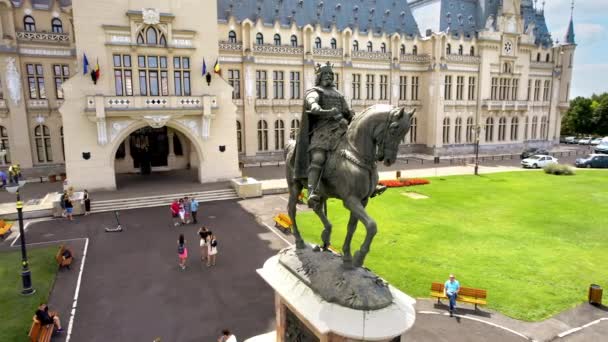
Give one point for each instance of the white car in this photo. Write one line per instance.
(539, 160)
(570, 140)
(596, 141)
(585, 141)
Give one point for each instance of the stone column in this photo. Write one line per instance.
(171, 157)
(19, 131)
(249, 126)
(128, 157)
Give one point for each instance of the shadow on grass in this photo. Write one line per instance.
(464, 311)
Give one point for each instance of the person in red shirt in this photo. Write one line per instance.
(175, 212)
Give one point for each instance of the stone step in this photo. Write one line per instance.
(168, 196)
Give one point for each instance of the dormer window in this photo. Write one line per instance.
(415, 50)
(29, 24)
(383, 48)
(232, 37)
(277, 39)
(448, 49)
(318, 43)
(56, 26)
(355, 45)
(538, 57)
(402, 49)
(334, 43)
(259, 39)
(460, 50)
(548, 58)
(370, 47)
(472, 53)
(294, 41)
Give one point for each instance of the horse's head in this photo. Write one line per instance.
(397, 126)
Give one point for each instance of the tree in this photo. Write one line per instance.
(600, 116)
(579, 117)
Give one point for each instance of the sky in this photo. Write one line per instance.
(590, 73)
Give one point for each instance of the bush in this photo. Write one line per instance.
(558, 169)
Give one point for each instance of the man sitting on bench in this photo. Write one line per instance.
(450, 289)
(42, 314)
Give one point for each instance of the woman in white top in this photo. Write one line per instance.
(212, 250)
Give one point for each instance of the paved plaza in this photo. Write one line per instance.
(132, 289)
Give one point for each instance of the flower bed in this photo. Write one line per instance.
(395, 183)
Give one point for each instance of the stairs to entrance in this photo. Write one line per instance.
(160, 200)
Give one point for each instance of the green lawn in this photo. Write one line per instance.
(534, 241)
(17, 310)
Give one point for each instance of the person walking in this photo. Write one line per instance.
(204, 234)
(87, 202)
(69, 207)
(194, 209)
(182, 251)
(450, 289)
(212, 250)
(182, 211)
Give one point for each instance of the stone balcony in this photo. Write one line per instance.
(459, 103)
(38, 104)
(373, 55)
(228, 46)
(328, 52)
(410, 58)
(497, 105)
(278, 49)
(541, 65)
(43, 37)
(127, 105)
(465, 59)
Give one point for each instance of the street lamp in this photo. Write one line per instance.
(26, 277)
(477, 131)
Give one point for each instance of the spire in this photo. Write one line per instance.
(569, 39)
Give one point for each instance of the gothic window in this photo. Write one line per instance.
(458, 131)
(472, 53)
(294, 41)
(239, 136)
(448, 49)
(295, 127)
(4, 144)
(56, 26)
(502, 128)
(538, 57)
(318, 43)
(29, 24)
(277, 39)
(413, 130)
(162, 41)
(548, 58)
(42, 136)
(334, 43)
(232, 37)
(470, 130)
(355, 45)
(370, 47)
(402, 49)
(383, 47)
(446, 130)
(415, 50)
(259, 39)
(262, 135)
(151, 36)
(140, 39)
(489, 130)
(514, 128)
(534, 127)
(279, 135)
(460, 50)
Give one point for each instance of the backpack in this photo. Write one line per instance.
(180, 249)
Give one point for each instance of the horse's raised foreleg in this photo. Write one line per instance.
(326, 234)
(295, 188)
(347, 257)
(357, 208)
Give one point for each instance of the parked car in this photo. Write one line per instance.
(532, 151)
(585, 141)
(602, 147)
(593, 160)
(596, 141)
(570, 140)
(538, 160)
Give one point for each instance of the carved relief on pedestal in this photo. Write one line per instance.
(157, 121)
(118, 127)
(13, 81)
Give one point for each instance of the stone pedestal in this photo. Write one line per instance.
(302, 315)
(246, 187)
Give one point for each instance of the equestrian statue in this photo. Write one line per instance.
(335, 156)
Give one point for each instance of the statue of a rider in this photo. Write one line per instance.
(324, 121)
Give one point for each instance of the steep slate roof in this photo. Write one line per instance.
(569, 39)
(43, 4)
(388, 16)
(531, 15)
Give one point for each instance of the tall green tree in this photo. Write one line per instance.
(579, 118)
(600, 116)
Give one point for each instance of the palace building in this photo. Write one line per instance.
(472, 69)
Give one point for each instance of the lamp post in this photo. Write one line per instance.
(477, 131)
(26, 277)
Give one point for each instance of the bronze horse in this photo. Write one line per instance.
(350, 173)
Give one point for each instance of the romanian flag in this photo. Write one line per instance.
(85, 64)
(216, 68)
(95, 73)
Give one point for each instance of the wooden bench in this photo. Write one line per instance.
(39, 332)
(60, 260)
(466, 294)
(5, 228)
(283, 222)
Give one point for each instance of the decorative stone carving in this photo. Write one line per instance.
(157, 121)
(228, 46)
(511, 25)
(490, 23)
(192, 125)
(150, 16)
(13, 80)
(375, 55)
(327, 52)
(43, 36)
(102, 132)
(118, 127)
(206, 127)
(46, 52)
(278, 49)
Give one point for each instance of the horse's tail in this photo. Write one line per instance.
(289, 147)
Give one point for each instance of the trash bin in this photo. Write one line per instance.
(595, 294)
(436, 160)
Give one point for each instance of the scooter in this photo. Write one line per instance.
(118, 227)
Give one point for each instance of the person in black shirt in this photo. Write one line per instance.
(45, 318)
(204, 234)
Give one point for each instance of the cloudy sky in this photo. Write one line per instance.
(591, 32)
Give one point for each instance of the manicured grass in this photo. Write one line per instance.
(17, 310)
(534, 241)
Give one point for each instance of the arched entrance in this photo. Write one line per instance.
(149, 155)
